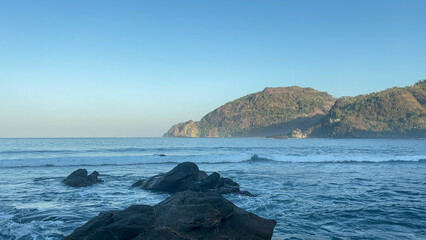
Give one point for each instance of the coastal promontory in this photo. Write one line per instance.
(296, 112)
(269, 112)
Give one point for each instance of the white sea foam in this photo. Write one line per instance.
(288, 177)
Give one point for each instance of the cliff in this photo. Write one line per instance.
(185, 129)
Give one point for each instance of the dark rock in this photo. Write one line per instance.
(187, 176)
(227, 185)
(160, 155)
(173, 180)
(204, 185)
(138, 183)
(79, 178)
(202, 175)
(186, 215)
(256, 159)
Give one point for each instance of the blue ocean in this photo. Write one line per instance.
(313, 188)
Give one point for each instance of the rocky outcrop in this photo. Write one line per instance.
(184, 216)
(185, 129)
(187, 176)
(294, 134)
(79, 178)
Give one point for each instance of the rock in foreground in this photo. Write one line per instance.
(187, 176)
(185, 215)
(79, 178)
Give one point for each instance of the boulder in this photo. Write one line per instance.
(187, 176)
(170, 182)
(185, 215)
(79, 178)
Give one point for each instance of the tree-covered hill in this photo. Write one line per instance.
(395, 112)
(271, 111)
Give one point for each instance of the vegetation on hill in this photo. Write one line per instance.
(395, 112)
(260, 113)
(278, 112)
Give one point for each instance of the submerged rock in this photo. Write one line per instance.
(79, 178)
(160, 155)
(187, 176)
(185, 215)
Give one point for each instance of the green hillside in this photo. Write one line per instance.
(271, 111)
(395, 112)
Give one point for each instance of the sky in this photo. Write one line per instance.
(86, 68)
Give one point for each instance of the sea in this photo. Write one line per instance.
(313, 188)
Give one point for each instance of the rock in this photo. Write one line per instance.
(187, 176)
(160, 155)
(256, 159)
(79, 178)
(173, 180)
(297, 133)
(138, 183)
(203, 185)
(185, 215)
(202, 175)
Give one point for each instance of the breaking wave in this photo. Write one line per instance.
(156, 159)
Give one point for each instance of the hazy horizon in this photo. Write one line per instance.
(133, 69)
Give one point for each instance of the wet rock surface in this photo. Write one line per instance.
(187, 176)
(80, 178)
(185, 215)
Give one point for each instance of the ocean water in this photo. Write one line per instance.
(313, 188)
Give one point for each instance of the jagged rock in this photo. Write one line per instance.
(79, 178)
(170, 182)
(187, 176)
(184, 216)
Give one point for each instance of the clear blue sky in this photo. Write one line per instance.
(134, 68)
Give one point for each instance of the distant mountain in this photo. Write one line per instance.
(395, 112)
(269, 112)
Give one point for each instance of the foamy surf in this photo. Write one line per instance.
(304, 184)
